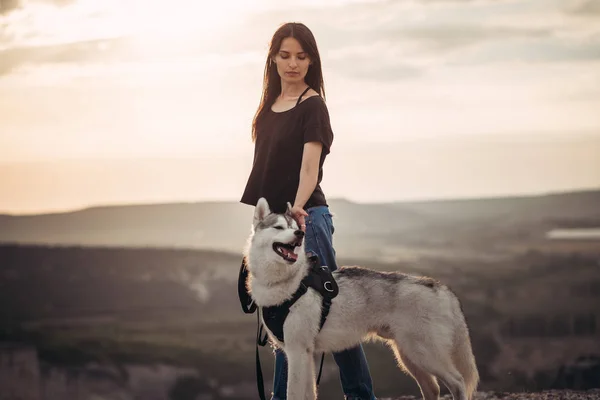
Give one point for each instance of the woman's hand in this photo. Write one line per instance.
(298, 214)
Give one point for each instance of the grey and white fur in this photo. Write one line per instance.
(418, 317)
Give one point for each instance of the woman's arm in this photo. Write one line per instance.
(309, 174)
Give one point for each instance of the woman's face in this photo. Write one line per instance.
(292, 62)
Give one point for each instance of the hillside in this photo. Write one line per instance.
(361, 229)
(532, 317)
(123, 299)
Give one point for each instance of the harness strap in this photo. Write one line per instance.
(246, 301)
(326, 305)
(262, 342)
(274, 316)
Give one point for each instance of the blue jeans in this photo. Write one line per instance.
(354, 370)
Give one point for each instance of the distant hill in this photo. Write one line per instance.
(581, 205)
(226, 225)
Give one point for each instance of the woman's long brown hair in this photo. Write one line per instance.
(272, 81)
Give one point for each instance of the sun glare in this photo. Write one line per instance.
(145, 21)
(180, 19)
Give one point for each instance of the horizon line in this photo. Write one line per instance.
(523, 195)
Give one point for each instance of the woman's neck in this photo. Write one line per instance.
(292, 91)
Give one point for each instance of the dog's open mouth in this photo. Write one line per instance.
(288, 251)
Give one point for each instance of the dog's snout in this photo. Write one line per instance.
(299, 233)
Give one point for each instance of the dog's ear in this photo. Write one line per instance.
(261, 211)
(289, 209)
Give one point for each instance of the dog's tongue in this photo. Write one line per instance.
(289, 253)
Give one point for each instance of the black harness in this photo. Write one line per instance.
(319, 278)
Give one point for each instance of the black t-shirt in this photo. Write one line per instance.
(280, 139)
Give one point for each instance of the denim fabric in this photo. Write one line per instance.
(354, 370)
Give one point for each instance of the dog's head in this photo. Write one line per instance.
(276, 236)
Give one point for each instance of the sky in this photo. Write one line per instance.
(131, 101)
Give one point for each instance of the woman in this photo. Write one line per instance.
(292, 135)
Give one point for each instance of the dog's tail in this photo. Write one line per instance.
(464, 360)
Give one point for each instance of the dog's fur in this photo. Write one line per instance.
(420, 318)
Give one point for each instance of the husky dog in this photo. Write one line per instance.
(418, 317)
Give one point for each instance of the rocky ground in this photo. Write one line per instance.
(545, 395)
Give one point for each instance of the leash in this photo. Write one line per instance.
(260, 342)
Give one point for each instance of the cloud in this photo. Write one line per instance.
(469, 2)
(583, 7)
(547, 51)
(43, 23)
(385, 70)
(457, 36)
(7, 6)
(124, 50)
(89, 51)
(420, 28)
(378, 40)
(407, 52)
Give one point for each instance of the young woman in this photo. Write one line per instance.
(292, 135)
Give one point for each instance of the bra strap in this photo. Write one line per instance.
(303, 93)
